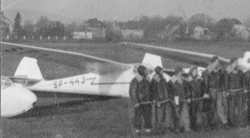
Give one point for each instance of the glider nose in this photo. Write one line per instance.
(16, 100)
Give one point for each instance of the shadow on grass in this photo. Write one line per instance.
(60, 108)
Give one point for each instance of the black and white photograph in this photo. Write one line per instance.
(125, 68)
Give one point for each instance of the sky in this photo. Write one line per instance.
(130, 9)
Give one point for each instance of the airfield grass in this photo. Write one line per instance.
(110, 118)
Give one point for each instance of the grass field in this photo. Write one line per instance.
(53, 118)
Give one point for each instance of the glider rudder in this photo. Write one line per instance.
(29, 68)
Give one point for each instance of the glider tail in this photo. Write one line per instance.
(28, 68)
(151, 59)
(244, 63)
(247, 57)
(246, 60)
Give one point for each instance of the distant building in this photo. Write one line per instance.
(201, 33)
(132, 34)
(240, 31)
(82, 35)
(97, 28)
(5, 25)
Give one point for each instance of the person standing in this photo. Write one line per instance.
(235, 87)
(141, 97)
(161, 93)
(181, 98)
(197, 89)
(247, 83)
(214, 78)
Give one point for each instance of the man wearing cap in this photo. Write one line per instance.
(235, 87)
(161, 95)
(247, 83)
(181, 98)
(197, 89)
(141, 97)
(214, 78)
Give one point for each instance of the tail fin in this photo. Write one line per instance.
(247, 57)
(244, 63)
(153, 60)
(28, 68)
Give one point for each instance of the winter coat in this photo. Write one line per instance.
(235, 79)
(214, 79)
(247, 80)
(197, 87)
(160, 88)
(180, 88)
(139, 90)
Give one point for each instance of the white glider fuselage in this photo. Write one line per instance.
(112, 84)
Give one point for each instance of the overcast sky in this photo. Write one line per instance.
(129, 9)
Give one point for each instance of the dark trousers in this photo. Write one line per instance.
(236, 108)
(219, 104)
(143, 112)
(208, 113)
(195, 113)
(163, 116)
(248, 107)
(182, 117)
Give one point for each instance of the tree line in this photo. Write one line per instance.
(152, 26)
(43, 27)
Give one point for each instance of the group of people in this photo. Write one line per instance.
(189, 102)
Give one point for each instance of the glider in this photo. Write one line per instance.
(103, 78)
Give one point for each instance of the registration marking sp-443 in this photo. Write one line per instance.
(72, 82)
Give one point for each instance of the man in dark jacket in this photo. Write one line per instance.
(235, 87)
(181, 98)
(161, 95)
(141, 97)
(197, 89)
(247, 83)
(214, 78)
